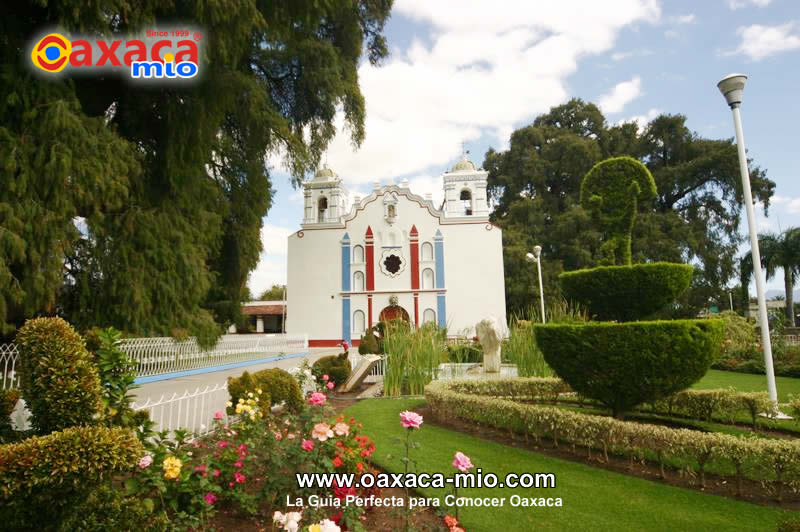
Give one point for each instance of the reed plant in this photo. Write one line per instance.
(412, 357)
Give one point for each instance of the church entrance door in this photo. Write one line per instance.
(394, 312)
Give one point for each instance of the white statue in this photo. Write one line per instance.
(490, 335)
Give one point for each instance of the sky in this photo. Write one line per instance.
(473, 71)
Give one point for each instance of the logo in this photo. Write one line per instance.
(167, 55)
(51, 53)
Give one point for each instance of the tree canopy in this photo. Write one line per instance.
(535, 185)
(141, 206)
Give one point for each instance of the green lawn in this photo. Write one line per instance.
(593, 499)
(747, 382)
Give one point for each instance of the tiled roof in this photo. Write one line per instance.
(263, 310)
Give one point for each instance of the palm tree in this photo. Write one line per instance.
(781, 250)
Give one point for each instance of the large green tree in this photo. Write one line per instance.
(141, 206)
(778, 251)
(695, 217)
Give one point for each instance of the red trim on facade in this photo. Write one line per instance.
(414, 243)
(369, 310)
(370, 260)
(416, 310)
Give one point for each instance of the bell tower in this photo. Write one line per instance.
(465, 190)
(325, 198)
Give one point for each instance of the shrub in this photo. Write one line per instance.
(117, 375)
(336, 367)
(106, 508)
(625, 293)
(43, 475)
(59, 380)
(8, 400)
(276, 386)
(612, 190)
(622, 365)
(368, 344)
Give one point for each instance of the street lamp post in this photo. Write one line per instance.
(536, 257)
(732, 88)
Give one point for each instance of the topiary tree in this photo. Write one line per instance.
(613, 190)
(335, 367)
(58, 378)
(368, 344)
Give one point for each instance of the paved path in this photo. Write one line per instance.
(154, 390)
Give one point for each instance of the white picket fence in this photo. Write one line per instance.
(191, 411)
(157, 356)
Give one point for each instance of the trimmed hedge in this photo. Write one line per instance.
(43, 477)
(625, 293)
(758, 459)
(368, 344)
(622, 365)
(337, 367)
(58, 378)
(276, 386)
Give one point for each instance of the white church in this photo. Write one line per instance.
(394, 254)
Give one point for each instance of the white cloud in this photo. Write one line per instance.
(760, 41)
(271, 267)
(642, 120)
(738, 4)
(791, 205)
(622, 94)
(671, 34)
(482, 74)
(684, 19)
(619, 56)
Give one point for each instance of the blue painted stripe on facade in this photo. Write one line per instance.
(346, 319)
(346, 263)
(438, 246)
(441, 311)
(211, 369)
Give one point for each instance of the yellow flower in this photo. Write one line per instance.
(172, 467)
(259, 390)
(314, 528)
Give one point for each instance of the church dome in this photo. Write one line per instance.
(325, 174)
(463, 165)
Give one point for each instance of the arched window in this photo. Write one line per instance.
(427, 251)
(466, 201)
(358, 254)
(358, 322)
(322, 207)
(427, 279)
(358, 282)
(429, 316)
(392, 211)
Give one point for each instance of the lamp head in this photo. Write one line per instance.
(530, 257)
(537, 251)
(732, 88)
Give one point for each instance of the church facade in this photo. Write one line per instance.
(393, 254)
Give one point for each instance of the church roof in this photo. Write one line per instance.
(463, 165)
(325, 174)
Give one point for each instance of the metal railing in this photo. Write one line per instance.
(191, 411)
(9, 377)
(376, 373)
(156, 356)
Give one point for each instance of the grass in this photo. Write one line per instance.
(593, 499)
(747, 382)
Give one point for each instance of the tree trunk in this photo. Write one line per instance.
(789, 285)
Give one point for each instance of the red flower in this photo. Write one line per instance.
(337, 461)
(450, 521)
(239, 478)
(360, 467)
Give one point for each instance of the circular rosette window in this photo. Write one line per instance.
(392, 262)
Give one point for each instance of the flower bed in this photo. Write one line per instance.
(759, 459)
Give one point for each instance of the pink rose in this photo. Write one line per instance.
(216, 473)
(307, 445)
(341, 429)
(462, 462)
(238, 464)
(239, 478)
(222, 444)
(145, 461)
(330, 385)
(317, 399)
(278, 436)
(210, 498)
(219, 416)
(325, 377)
(410, 420)
(322, 431)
